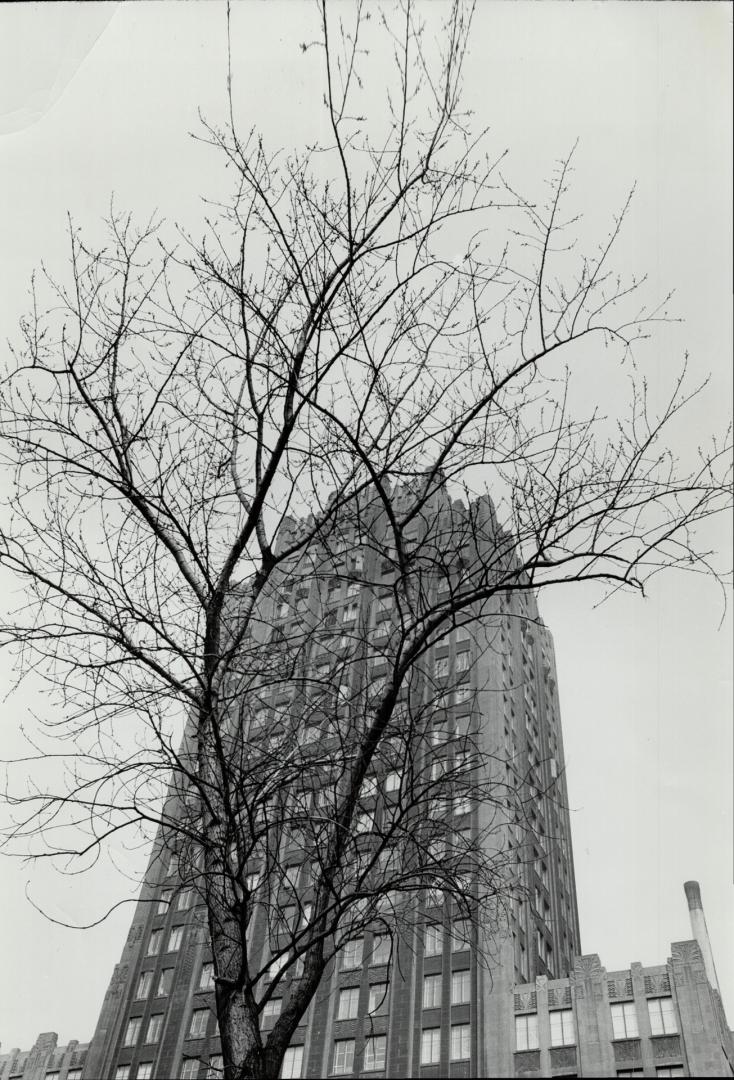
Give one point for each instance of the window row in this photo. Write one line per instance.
(165, 982)
(155, 942)
(442, 664)
(348, 1002)
(191, 1069)
(154, 1027)
(661, 1070)
(624, 1023)
(375, 1052)
(660, 1011)
(433, 941)
(183, 900)
(460, 989)
(561, 1028)
(459, 1048)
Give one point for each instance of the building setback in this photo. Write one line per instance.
(658, 1021)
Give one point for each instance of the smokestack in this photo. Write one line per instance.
(700, 930)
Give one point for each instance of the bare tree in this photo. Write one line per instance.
(200, 433)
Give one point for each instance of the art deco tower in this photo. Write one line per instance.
(435, 1007)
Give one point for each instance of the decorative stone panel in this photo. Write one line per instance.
(563, 1057)
(527, 1062)
(655, 985)
(627, 1050)
(665, 1047)
(559, 998)
(619, 988)
(526, 1002)
(587, 966)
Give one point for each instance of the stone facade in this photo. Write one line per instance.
(655, 1021)
(511, 708)
(529, 1005)
(45, 1061)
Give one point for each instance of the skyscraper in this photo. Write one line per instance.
(432, 1002)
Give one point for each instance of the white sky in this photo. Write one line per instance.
(101, 98)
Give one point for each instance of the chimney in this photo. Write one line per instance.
(700, 931)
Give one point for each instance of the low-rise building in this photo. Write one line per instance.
(45, 1061)
(666, 1020)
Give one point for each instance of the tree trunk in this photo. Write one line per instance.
(245, 1056)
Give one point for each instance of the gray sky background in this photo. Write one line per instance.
(96, 99)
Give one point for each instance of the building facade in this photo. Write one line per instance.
(45, 1061)
(436, 1007)
(437, 1004)
(658, 1021)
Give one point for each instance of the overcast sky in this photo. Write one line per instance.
(96, 99)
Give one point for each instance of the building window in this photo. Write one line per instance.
(52, 1075)
(154, 942)
(189, 1069)
(662, 1016)
(523, 962)
(430, 1046)
(384, 603)
(630, 1072)
(348, 1003)
(145, 1070)
(164, 901)
(343, 1061)
(392, 781)
(216, 1067)
(199, 1021)
(460, 987)
(462, 661)
(441, 666)
(352, 954)
(460, 1042)
(74, 1074)
(378, 998)
(132, 1032)
(624, 1021)
(460, 935)
(271, 1012)
(145, 983)
(276, 964)
(375, 1050)
(292, 1063)
(122, 1072)
(292, 874)
(433, 940)
(155, 1024)
(381, 949)
(176, 936)
(526, 1032)
(432, 992)
(670, 1070)
(369, 788)
(165, 982)
(184, 900)
(206, 979)
(561, 1024)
